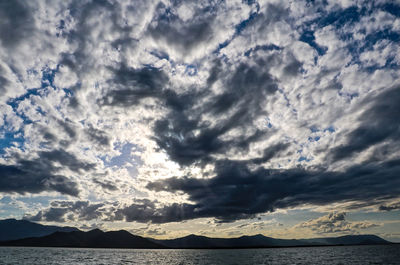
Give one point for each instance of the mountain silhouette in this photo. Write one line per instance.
(194, 241)
(24, 233)
(91, 239)
(12, 229)
(258, 241)
(348, 240)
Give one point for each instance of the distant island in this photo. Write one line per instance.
(24, 233)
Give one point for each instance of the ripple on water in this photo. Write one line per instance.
(343, 255)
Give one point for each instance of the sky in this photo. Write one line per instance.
(217, 118)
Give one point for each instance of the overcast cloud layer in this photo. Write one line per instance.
(165, 111)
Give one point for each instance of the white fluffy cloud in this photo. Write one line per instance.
(335, 222)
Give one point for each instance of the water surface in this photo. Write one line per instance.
(344, 255)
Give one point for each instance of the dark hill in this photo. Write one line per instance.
(24, 233)
(193, 241)
(257, 241)
(348, 240)
(92, 239)
(11, 229)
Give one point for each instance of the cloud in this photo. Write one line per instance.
(155, 232)
(378, 124)
(16, 15)
(132, 85)
(185, 35)
(60, 210)
(144, 211)
(237, 192)
(98, 137)
(191, 30)
(223, 122)
(334, 223)
(40, 174)
(105, 184)
(390, 207)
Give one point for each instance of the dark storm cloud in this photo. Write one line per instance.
(3, 81)
(183, 34)
(18, 178)
(238, 192)
(270, 152)
(392, 207)
(379, 124)
(106, 185)
(60, 210)
(246, 89)
(293, 68)
(146, 211)
(68, 128)
(47, 159)
(271, 14)
(51, 215)
(141, 210)
(16, 22)
(49, 137)
(40, 174)
(98, 136)
(132, 85)
(245, 92)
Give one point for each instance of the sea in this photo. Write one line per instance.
(343, 255)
